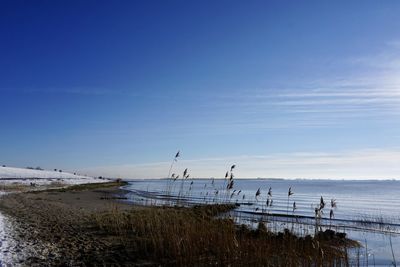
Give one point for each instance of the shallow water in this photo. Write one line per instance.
(368, 211)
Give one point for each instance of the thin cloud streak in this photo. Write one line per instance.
(371, 90)
(362, 100)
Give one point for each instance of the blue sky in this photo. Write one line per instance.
(281, 88)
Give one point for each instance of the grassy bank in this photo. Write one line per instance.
(194, 237)
(84, 187)
(104, 232)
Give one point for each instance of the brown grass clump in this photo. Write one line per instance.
(84, 187)
(194, 237)
(14, 187)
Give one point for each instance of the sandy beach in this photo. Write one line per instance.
(52, 228)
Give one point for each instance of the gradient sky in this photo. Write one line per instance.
(281, 88)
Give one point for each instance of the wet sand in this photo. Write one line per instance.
(54, 227)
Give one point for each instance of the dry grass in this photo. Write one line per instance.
(82, 187)
(14, 187)
(194, 237)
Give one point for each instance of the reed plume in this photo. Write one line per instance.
(229, 181)
(258, 193)
(172, 178)
(288, 197)
(331, 212)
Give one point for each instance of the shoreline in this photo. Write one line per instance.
(88, 224)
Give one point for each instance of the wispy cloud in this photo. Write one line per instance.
(359, 164)
(370, 90)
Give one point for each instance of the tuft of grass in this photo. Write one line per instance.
(14, 187)
(84, 187)
(195, 237)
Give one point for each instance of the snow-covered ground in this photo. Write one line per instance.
(10, 175)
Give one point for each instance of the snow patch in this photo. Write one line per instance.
(10, 175)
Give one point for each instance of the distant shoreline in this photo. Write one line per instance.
(277, 179)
